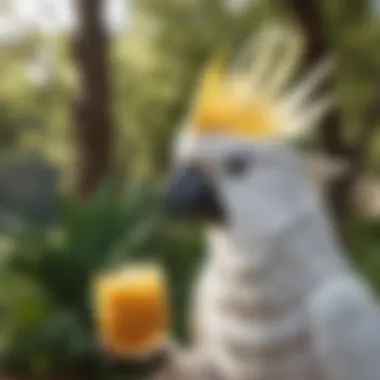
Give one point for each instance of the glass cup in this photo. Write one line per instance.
(131, 310)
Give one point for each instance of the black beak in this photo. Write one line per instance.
(191, 194)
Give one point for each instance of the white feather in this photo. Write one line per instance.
(304, 90)
(308, 118)
(267, 43)
(286, 68)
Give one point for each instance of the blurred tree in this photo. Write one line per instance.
(94, 126)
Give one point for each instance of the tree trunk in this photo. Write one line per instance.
(93, 129)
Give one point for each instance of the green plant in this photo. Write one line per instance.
(46, 315)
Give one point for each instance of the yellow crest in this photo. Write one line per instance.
(255, 101)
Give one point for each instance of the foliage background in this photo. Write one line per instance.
(51, 244)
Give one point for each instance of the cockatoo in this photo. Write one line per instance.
(276, 298)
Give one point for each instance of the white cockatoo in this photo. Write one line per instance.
(276, 299)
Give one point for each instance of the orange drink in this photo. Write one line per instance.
(131, 310)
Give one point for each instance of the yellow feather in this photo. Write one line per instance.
(230, 103)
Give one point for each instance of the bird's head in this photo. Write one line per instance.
(233, 164)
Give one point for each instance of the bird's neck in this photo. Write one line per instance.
(306, 252)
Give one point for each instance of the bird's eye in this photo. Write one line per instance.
(236, 165)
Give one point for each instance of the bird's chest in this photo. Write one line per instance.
(257, 330)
